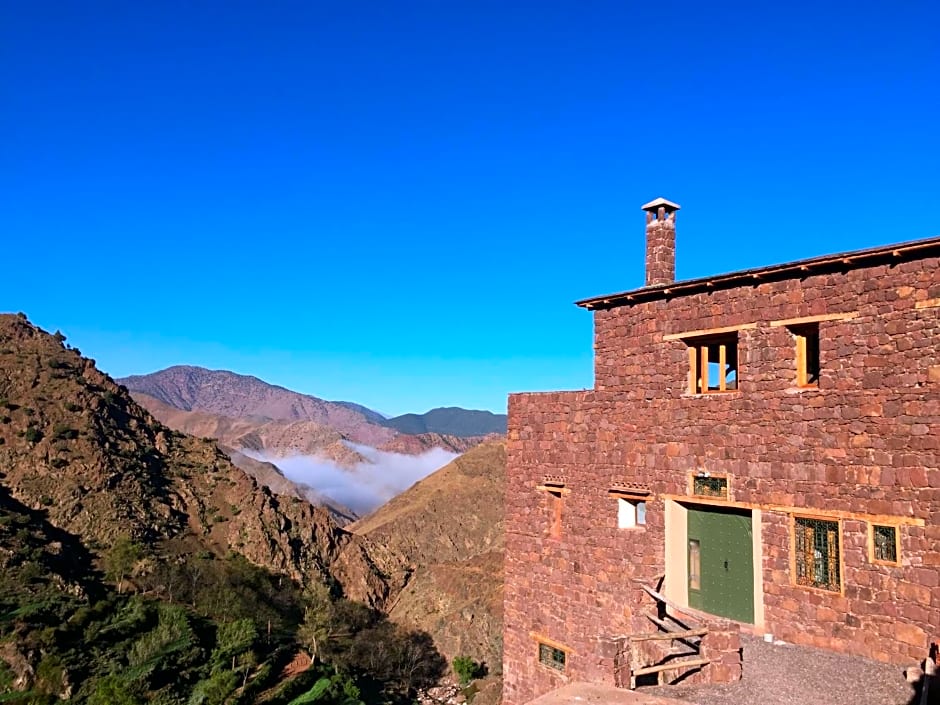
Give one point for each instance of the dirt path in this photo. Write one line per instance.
(798, 675)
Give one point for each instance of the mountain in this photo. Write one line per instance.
(240, 396)
(447, 532)
(75, 445)
(452, 421)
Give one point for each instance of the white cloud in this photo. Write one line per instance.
(369, 484)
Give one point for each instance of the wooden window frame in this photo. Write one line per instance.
(804, 335)
(711, 476)
(552, 644)
(871, 544)
(699, 362)
(555, 487)
(634, 494)
(793, 555)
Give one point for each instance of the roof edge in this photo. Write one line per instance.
(843, 260)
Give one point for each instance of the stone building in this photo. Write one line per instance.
(760, 451)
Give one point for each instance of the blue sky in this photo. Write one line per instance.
(397, 203)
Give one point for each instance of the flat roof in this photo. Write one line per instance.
(800, 268)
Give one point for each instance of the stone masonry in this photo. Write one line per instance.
(861, 448)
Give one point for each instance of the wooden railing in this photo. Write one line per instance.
(685, 637)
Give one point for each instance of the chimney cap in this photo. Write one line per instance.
(660, 202)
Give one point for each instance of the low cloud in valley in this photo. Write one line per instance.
(366, 486)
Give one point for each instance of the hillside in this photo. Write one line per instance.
(452, 421)
(448, 530)
(75, 445)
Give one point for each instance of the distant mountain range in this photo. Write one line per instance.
(232, 395)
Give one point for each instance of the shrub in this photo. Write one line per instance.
(62, 432)
(466, 669)
(33, 434)
(72, 406)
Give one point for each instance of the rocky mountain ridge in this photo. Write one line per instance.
(224, 393)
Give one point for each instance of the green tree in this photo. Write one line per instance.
(234, 638)
(120, 560)
(111, 690)
(466, 669)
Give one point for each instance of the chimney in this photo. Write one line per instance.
(660, 241)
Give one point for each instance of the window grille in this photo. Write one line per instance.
(885, 543)
(710, 486)
(817, 553)
(552, 657)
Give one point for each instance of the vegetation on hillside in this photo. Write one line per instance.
(189, 629)
(138, 565)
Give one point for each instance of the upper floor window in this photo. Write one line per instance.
(713, 364)
(807, 354)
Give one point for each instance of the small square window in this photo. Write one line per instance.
(884, 544)
(807, 354)
(817, 560)
(631, 513)
(713, 364)
(552, 657)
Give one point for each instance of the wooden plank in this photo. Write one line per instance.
(693, 369)
(708, 331)
(662, 636)
(809, 512)
(800, 360)
(691, 663)
(815, 319)
(669, 603)
(703, 359)
(928, 303)
(722, 361)
(553, 489)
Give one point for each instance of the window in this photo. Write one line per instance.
(713, 364)
(884, 544)
(631, 513)
(552, 657)
(555, 529)
(709, 486)
(807, 354)
(631, 504)
(695, 565)
(554, 486)
(816, 545)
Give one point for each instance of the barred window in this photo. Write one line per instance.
(817, 553)
(552, 657)
(705, 486)
(884, 543)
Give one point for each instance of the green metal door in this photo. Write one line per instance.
(721, 563)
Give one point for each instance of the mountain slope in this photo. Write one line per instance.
(240, 396)
(448, 533)
(451, 420)
(73, 443)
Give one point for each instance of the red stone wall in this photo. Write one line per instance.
(867, 441)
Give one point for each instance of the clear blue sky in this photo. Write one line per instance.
(396, 203)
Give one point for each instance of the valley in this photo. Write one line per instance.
(121, 511)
